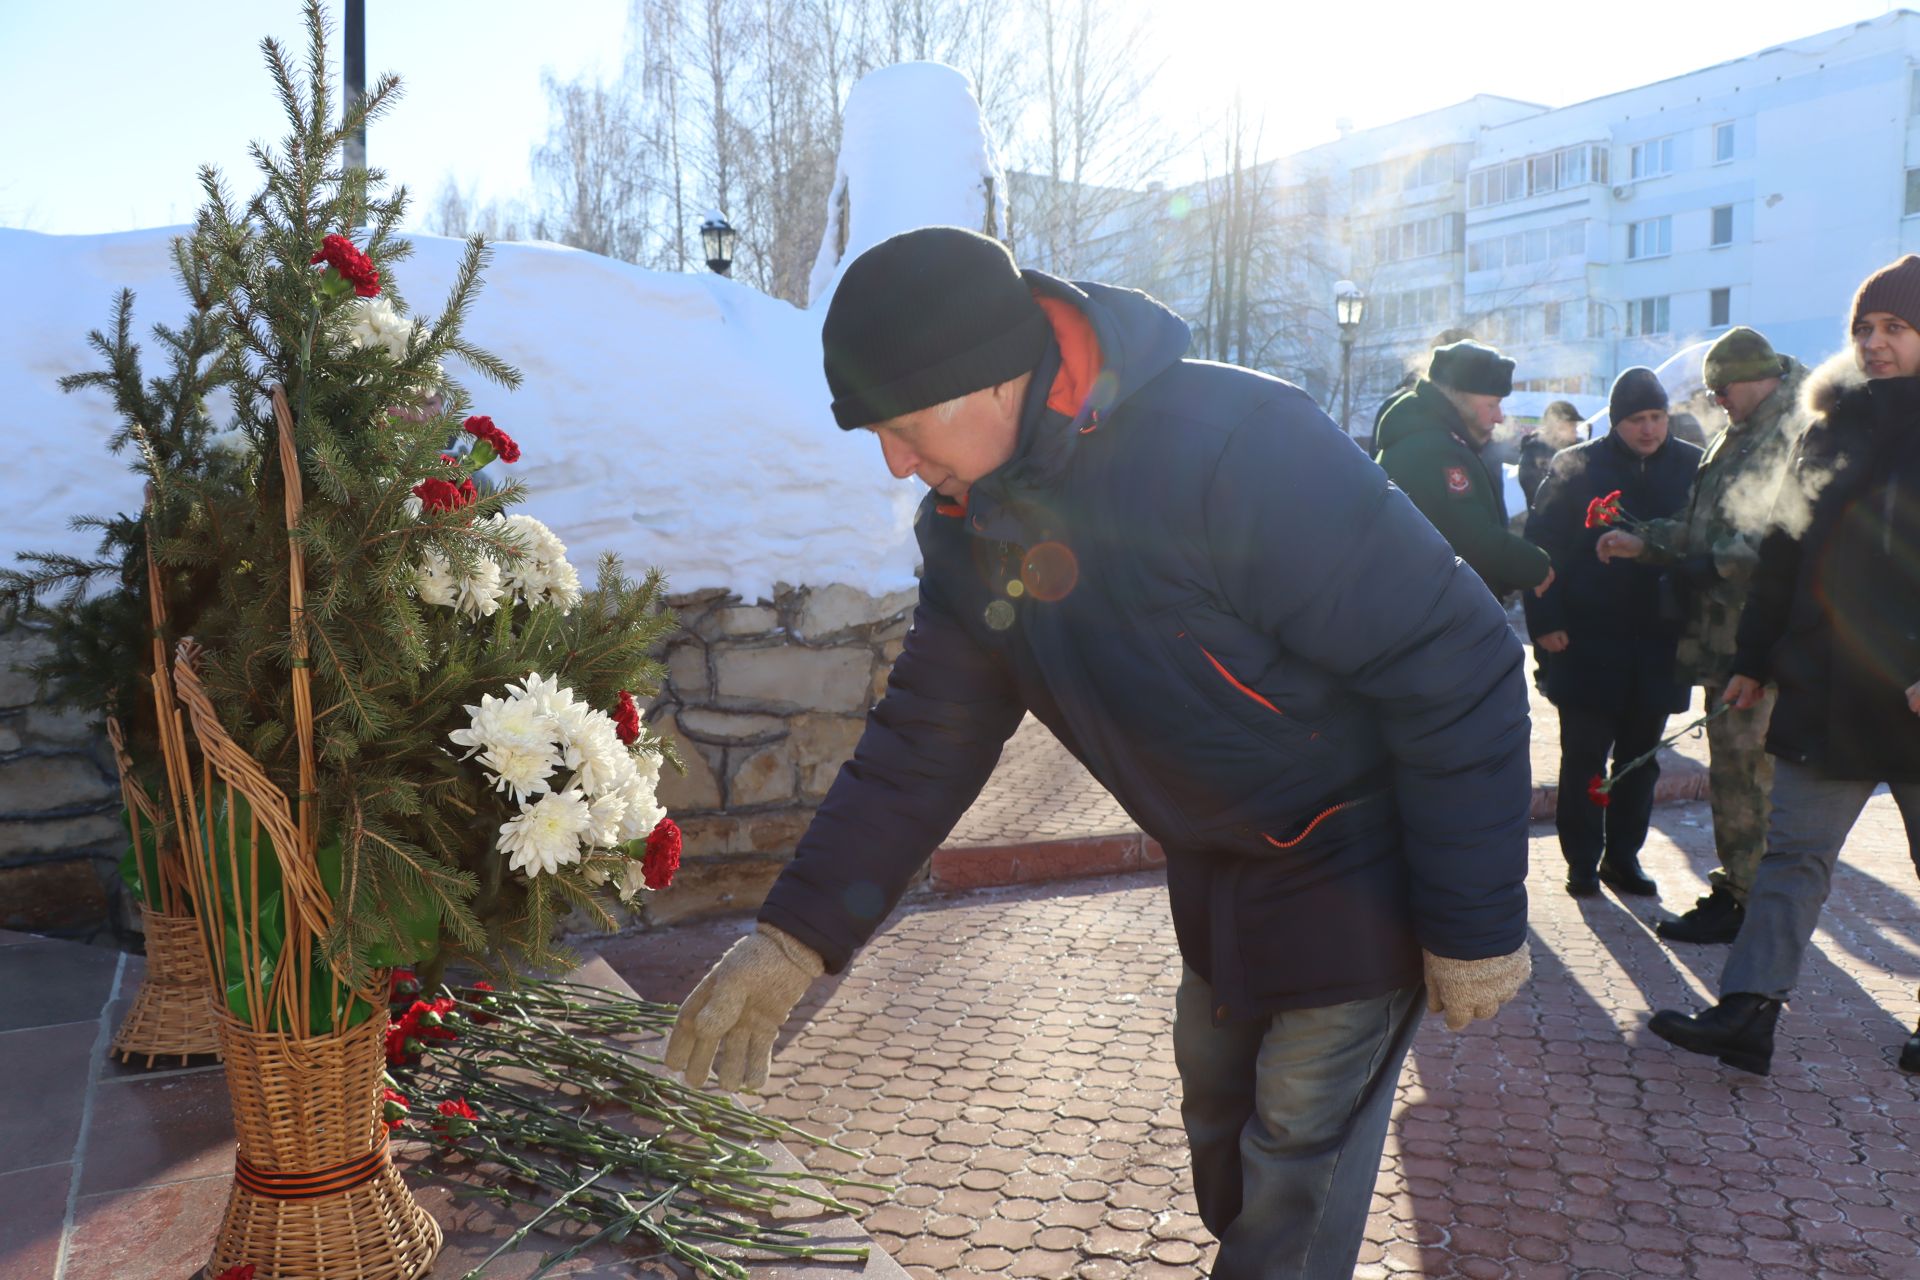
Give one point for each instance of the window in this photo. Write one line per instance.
(1652, 238)
(1723, 142)
(1550, 319)
(1535, 175)
(1913, 192)
(1570, 240)
(1722, 225)
(1524, 248)
(1647, 316)
(1651, 159)
(1720, 307)
(1913, 107)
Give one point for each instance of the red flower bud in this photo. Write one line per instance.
(1597, 789)
(354, 267)
(626, 718)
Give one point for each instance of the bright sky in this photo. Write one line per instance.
(111, 105)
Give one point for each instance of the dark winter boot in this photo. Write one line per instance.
(1738, 1030)
(1715, 918)
(1625, 875)
(1583, 883)
(1910, 1055)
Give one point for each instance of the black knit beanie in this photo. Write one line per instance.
(1472, 367)
(1635, 391)
(924, 317)
(1894, 288)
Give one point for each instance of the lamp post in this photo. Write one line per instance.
(1349, 306)
(716, 240)
(354, 72)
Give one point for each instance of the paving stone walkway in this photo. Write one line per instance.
(1004, 1057)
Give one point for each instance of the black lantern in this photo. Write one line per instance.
(1349, 305)
(716, 238)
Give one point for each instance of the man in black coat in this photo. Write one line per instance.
(1249, 637)
(1605, 633)
(1833, 619)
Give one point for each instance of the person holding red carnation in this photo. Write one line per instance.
(1605, 634)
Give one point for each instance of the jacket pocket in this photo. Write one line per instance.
(1222, 691)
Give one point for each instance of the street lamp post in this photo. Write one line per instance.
(354, 72)
(1349, 306)
(716, 240)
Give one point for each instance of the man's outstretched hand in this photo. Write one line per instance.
(729, 1022)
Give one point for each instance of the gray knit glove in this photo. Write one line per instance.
(1471, 990)
(738, 1009)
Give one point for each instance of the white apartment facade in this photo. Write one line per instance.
(1616, 231)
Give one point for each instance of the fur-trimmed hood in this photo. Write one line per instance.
(1833, 378)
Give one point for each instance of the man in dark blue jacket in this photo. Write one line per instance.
(1605, 632)
(1259, 646)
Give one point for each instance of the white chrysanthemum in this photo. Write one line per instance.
(593, 748)
(519, 769)
(541, 575)
(644, 810)
(477, 594)
(633, 880)
(373, 323)
(548, 695)
(546, 835)
(509, 721)
(604, 815)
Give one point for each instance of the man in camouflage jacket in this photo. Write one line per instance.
(1713, 548)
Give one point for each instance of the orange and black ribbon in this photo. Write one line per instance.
(311, 1186)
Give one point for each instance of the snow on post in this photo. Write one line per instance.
(914, 152)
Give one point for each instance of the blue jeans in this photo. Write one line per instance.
(1286, 1117)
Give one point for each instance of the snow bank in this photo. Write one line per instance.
(677, 420)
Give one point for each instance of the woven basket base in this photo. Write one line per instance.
(377, 1231)
(172, 1015)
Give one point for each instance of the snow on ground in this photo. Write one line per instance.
(678, 420)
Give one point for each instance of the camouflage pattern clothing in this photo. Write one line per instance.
(1716, 541)
(1740, 781)
(1716, 545)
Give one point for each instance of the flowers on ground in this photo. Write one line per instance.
(580, 785)
(393, 1108)
(456, 1120)
(242, 1272)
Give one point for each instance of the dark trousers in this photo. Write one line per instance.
(1586, 739)
(1286, 1119)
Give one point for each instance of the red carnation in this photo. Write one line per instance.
(242, 1272)
(481, 1019)
(1604, 511)
(1597, 788)
(402, 984)
(456, 1120)
(354, 266)
(403, 1037)
(393, 1108)
(663, 854)
(436, 494)
(626, 718)
(482, 427)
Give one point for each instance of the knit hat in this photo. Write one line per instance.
(1635, 391)
(1739, 355)
(1472, 367)
(1893, 288)
(924, 317)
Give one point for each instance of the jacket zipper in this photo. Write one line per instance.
(1319, 818)
(1231, 679)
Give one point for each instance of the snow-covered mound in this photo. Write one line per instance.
(678, 420)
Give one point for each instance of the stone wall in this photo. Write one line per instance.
(60, 832)
(763, 702)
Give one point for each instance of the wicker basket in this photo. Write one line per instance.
(172, 1015)
(314, 1194)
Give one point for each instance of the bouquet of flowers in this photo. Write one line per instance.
(1605, 512)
